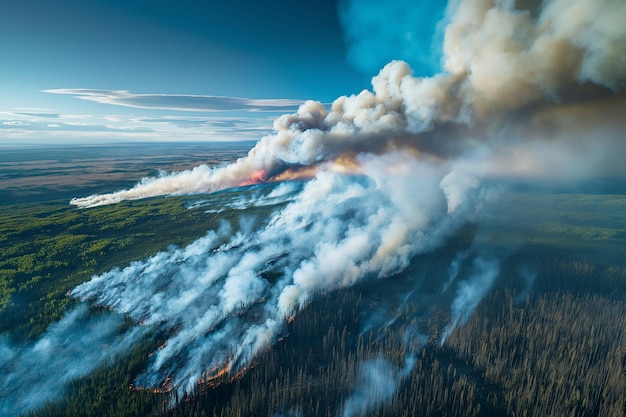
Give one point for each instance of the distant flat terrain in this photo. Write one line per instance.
(30, 173)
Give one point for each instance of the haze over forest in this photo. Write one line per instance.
(447, 241)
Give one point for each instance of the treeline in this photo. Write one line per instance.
(553, 346)
(558, 351)
(554, 353)
(108, 391)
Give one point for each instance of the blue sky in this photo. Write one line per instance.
(100, 70)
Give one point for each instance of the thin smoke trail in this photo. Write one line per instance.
(471, 275)
(471, 291)
(378, 382)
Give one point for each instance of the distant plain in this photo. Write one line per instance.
(35, 173)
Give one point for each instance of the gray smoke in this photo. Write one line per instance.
(528, 278)
(455, 267)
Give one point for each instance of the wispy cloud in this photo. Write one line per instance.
(39, 114)
(69, 127)
(180, 102)
(13, 123)
(238, 123)
(47, 127)
(158, 117)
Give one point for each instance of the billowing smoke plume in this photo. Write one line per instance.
(530, 89)
(539, 87)
(75, 346)
(227, 295)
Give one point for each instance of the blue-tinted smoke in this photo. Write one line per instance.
(378, 382)
(35, 373)
(471, 291)
(227, 295)
(378, 32)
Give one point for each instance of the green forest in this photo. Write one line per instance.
(557, 348)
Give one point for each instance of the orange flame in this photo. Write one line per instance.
(341, 165)
(216, 376)
(240, 374)
(256, 177)
(345, 164)
(165, 387)
(157, 349)
(220, 375)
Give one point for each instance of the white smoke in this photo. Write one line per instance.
(255, 197)
(337, 231)
(455, 268)
(529, 280)
(471, 291)
(378, 382)
(76, 346)
(529, 91)
(558, 58)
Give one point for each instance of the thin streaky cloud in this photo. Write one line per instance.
(14, 123)
(74, 127)
(20, 127)
(39, 115)
(212, 122)
(32, 109)
(180, 102)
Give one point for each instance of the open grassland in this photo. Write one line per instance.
(34, 174)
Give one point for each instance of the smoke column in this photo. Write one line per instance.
(529, 279)
(530, 89)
